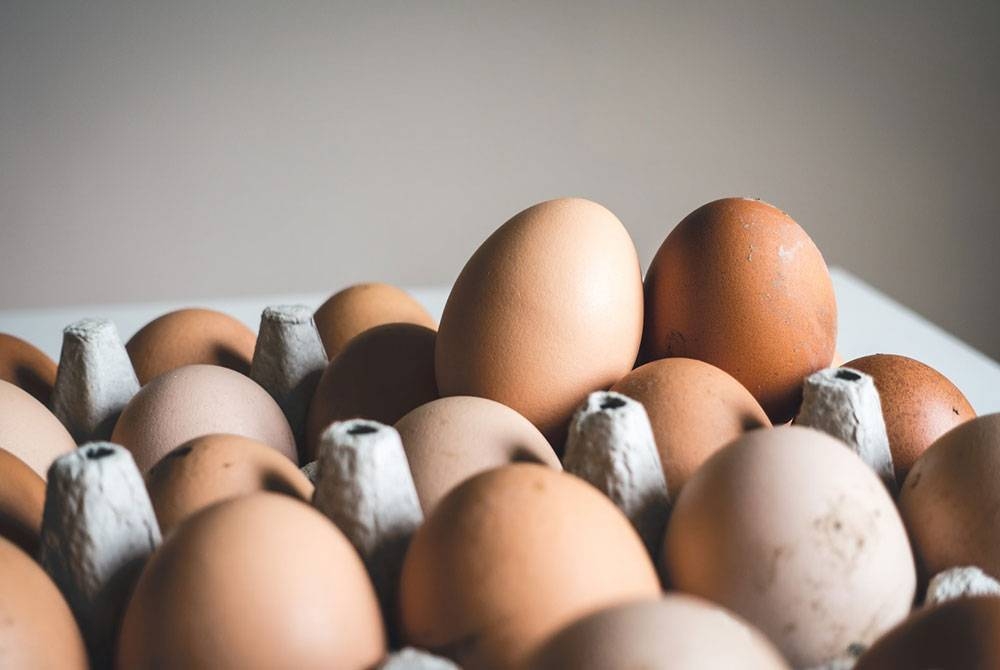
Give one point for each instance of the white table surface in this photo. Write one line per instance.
(869, 322)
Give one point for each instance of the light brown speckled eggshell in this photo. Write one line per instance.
(212, 468)
(190, 337)
(22, 499)
(197, 400)
(740, 285)
(27, 367)
(694, 408)
(451, 439)
(512, 555)
(795, 533)
(547, 310)
(677, 632)
(38, 628)
(30, 431)
(357, 308)
(261, 581)
(919, 405)
(380, 375)
(949, 501)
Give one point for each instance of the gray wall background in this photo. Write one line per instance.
(156, 150)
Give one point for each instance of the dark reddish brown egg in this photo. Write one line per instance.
(22, 498)
(26, 366)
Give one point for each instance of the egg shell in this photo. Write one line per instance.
(548, 309)
(189, 337)
(740, 285)
(451, 439)
(380, 375)
(512, 555)
(22, 498)
(357, 308)
(960, 634)
(950, 498)
(27, 367)
(694, 409)
(919, 405)
(676, 632)
(791, 530)
(261, 581)
(30, 431)
(38, 628)
(212, 468)
(197, 400)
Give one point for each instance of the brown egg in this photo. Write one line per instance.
(547, 310)
(22, 498)
(794, 532)
(197, 400)
(451, 439)
(30, 431)
(740, 285)
(188, 337)
(512, 555)
(956, 635)
(694, 408)
(212, 468)
(38, 628)
(918, 402)
(357, 308)
(380, 375)
(26, 366)
(950, 499)
(261, 581)
(676, 632)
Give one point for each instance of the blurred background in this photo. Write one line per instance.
(178, 150)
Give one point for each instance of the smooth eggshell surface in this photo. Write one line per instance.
(919, 405)
(677, 632)
(740, 285)
(547, 310)
(262, 581)
(949, 501)
(960, 634)
(38, 628)
(212, 468)
(451, 439)
(694, 409)
(512, 555)
(197, 400)
(27, 367)
(30, 431)
(357, 308)
(795, 533)
(189, 337)
(22, 499)
(381, 375)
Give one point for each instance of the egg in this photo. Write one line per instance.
(960, 634)
(357, 308)
(547, 310)
(38, 628)
(795, 533)
(740, 285)
(197, 400)
(676, 632)
(694, 409)
(451, 439)
(30, 431)
(380, 375)
(22, 498)
(261, 581)
(212, 468)
(512, 555)
(919, 405)
(188, 337)
(950, 499)
(26, 366)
